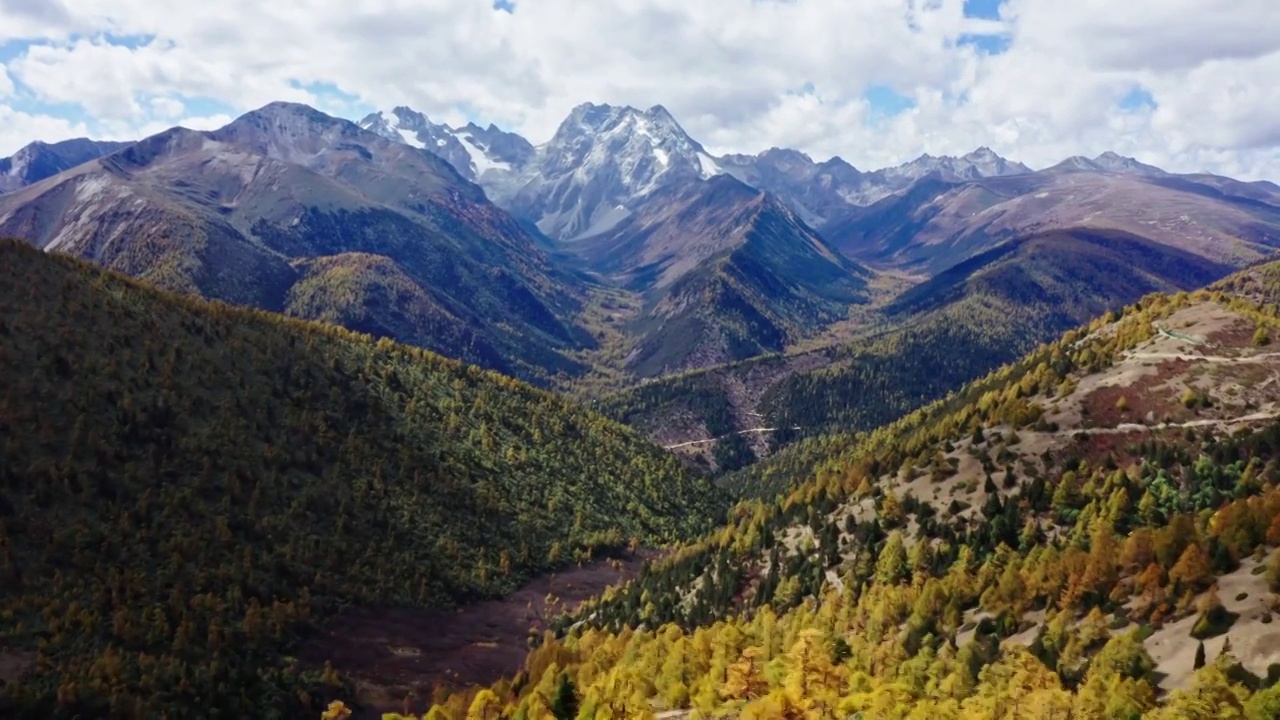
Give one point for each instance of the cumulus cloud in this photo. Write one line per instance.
(740, 75)
(19, 128)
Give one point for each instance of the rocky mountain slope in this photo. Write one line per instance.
(938, 223)
(290, 210)
(472, 151)
(190, 489)
(724, 272)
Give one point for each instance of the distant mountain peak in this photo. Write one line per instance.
(787, 155)
(982, 162)
(1114, 161)
(286, 109)
(660, 111)
(472, 150)
(1108, 161)
(38, 160)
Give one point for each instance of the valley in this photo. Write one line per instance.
(397, 656)
(303, 416)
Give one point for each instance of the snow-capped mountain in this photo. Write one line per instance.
(473, 151)
(601, 162)
(604, 161)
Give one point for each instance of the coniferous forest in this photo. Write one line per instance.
(1052, 594)
(188, 488)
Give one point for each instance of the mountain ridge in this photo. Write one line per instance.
(231, 213)
(39, 160)
(724, 271)
(554, 187)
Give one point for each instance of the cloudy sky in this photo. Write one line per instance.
(1186, 84)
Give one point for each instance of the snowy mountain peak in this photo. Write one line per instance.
(602, 160)
(378, 124)
(408, 126)
(472, 151)
(655, 123)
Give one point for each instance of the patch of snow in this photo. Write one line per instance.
(1042, 195)
(410, 138)
(663, 159)
(643, 128)
(709, 167)
(481, 161)
(440, 142)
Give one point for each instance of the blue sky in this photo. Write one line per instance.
(886, 101)
(983, 9)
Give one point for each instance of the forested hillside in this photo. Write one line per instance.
(1091, 532)
(187, 488)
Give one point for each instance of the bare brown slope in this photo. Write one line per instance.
(938, 224)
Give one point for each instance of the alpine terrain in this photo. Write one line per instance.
(304, 416)
(293, 211)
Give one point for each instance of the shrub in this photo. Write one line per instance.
(1213, 622)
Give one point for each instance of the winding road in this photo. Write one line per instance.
(711, 440)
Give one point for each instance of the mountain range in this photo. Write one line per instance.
(604, 160)
(621, 251)
(294, 211)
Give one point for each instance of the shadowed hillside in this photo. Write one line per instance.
(188, 488)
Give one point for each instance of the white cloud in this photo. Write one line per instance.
(19, 128)
(166, 107)
(727, 70)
